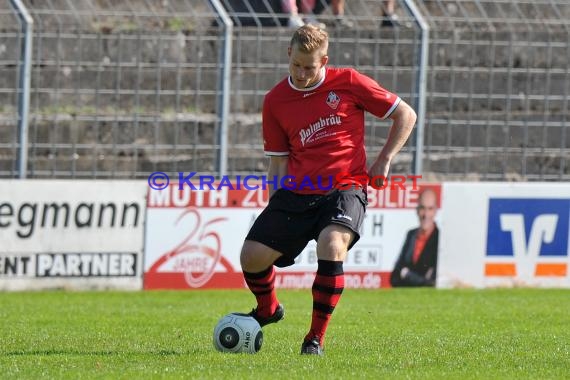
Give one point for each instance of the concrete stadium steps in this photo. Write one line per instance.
(101, 71)
(493, 164)
(115, 144)
(133, 73)
(129, 146)
(105, 92)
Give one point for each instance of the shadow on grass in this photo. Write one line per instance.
(95, 353)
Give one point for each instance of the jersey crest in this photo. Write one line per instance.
(333, 100)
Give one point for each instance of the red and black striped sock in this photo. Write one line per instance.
(262, 286)
(327, 289)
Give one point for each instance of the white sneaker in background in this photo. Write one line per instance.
(311, 20)
(295, 22)
(343, 22)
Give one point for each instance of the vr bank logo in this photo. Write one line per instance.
(528, 237)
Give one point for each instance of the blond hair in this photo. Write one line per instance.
(310, 38)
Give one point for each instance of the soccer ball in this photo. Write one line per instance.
(237, 332)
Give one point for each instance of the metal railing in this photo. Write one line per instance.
(121, 89)
(26, 24)
(498, 89)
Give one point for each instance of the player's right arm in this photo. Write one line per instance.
(275, 146)
(277, 169)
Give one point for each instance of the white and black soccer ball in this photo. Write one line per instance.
(237, 332)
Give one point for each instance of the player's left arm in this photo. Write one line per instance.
(277, 170)
(403, 121)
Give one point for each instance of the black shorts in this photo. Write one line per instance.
(291, 220)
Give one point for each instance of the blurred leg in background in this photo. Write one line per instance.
(307, 9)
(290, 7)
(389, 17)
(337, 9)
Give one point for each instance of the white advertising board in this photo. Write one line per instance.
(193, 239)
(71, 234)
(504, 235)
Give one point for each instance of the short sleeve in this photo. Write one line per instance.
(372, 97)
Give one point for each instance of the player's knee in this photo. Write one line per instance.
(333, 244)
(246, 258)
(333, 250)
(253, 258)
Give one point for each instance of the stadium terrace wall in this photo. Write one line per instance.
(122, 88)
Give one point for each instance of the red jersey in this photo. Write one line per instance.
(321, 128)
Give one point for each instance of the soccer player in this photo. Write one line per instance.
(313, 132)
(417, 263)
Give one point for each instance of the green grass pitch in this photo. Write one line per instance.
(375, 334)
